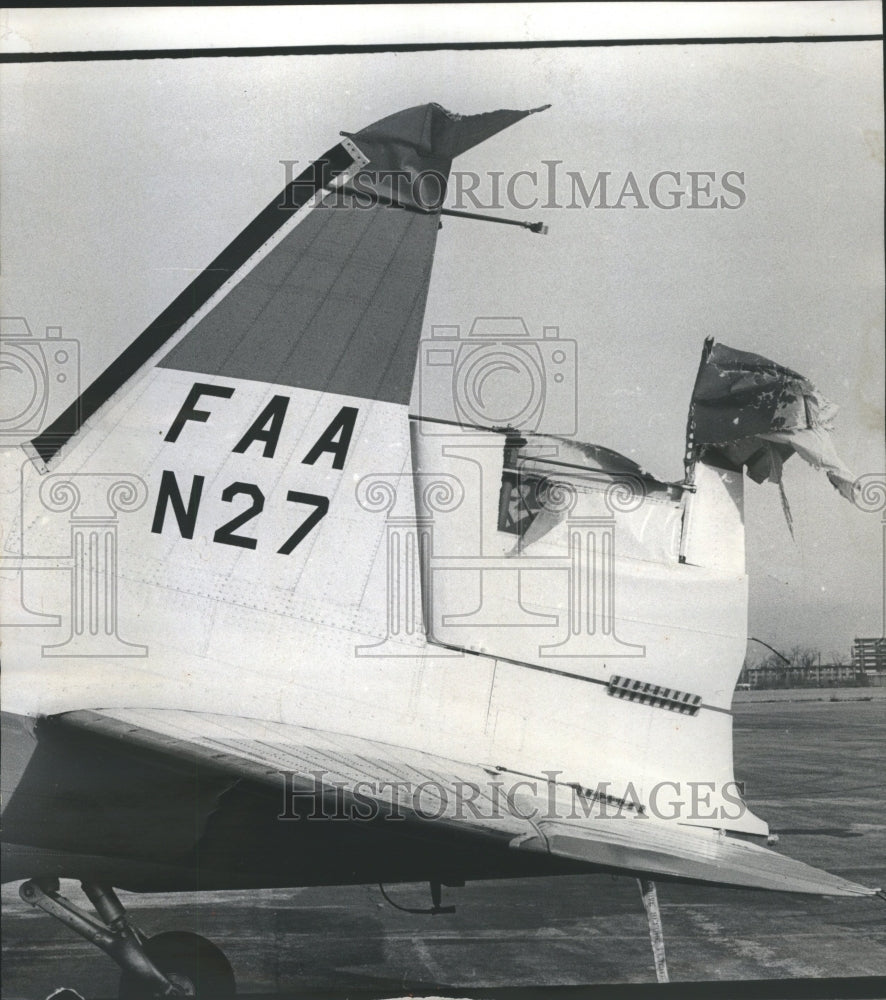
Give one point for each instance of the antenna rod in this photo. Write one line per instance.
(534, 227)
(378, 199)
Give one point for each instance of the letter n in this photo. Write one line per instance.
(185, 515)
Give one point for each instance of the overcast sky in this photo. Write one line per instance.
(121, 180)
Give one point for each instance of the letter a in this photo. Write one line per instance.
(272, 415)
(336, 439)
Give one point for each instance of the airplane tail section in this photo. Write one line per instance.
(254, 526)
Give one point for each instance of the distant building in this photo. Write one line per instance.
(867, 669)
(791, 676)
(869, 654)
(869, 659)
(834, 673)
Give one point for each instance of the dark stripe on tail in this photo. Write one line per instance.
(206, 284)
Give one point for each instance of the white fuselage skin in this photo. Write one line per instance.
(331, 635)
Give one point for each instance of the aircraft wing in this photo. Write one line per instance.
(393, 795)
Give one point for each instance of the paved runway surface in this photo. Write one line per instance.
(814, 770)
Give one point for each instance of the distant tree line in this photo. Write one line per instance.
(802, 666)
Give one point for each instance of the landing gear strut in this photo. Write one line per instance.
(167, 965)
(656, 931)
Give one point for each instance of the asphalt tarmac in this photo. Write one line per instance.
(814, 770)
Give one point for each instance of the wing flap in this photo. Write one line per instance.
(521, 812)
(678, 852)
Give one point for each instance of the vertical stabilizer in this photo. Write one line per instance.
(326, 287)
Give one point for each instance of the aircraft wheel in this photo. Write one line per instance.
(189, 961)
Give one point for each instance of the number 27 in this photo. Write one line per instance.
(226, 533)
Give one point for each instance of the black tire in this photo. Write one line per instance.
(190, 961)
